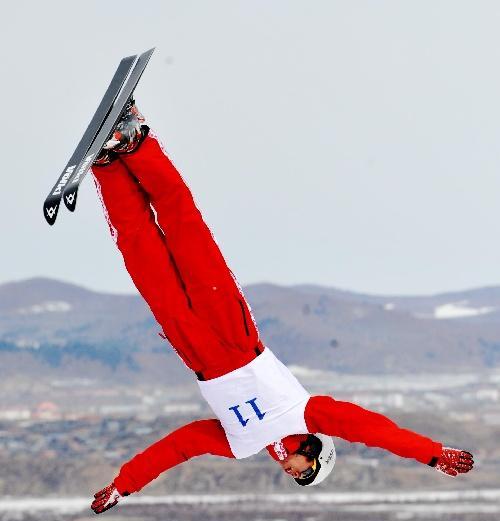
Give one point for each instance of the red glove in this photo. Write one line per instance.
(105, 499)
(453, 461)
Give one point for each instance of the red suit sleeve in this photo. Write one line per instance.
(353, 423)
(194, 439)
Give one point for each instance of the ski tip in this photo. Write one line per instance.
(149, 52)
(69, 198)
(50, 213)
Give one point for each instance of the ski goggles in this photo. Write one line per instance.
(310, 471)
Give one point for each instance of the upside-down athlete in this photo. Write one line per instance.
(179, 270)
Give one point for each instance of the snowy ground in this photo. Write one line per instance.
(469, 504)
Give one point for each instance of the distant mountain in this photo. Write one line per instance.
(48, 326)
(480, 304)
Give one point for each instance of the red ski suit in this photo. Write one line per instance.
(178, 268)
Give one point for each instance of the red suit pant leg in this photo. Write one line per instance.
(213, 292)
(150, 264)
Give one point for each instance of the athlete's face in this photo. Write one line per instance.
(295, 465)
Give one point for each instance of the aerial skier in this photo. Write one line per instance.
(179, 270)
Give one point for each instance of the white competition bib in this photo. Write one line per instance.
(257, 404)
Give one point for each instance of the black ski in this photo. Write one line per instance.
(71, 189)
(53, 200)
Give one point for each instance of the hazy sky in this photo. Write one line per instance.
(346, 143)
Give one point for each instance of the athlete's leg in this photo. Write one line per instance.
(147, 259)
(210, 285)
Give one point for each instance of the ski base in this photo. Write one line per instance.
(71, 189)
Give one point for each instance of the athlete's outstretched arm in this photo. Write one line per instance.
(195, 439)
(356, 424)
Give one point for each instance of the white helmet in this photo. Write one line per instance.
(322, 464)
